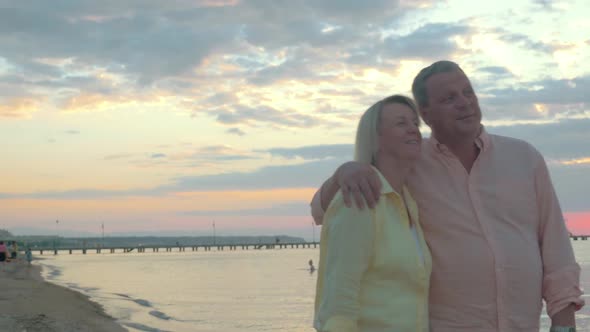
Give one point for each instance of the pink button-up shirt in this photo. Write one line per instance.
(497, 237)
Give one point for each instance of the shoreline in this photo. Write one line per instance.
(29, 303)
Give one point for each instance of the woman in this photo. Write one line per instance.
(374, 276)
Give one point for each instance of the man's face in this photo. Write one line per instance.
(453, 110)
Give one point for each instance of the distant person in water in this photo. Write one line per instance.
(311, 267)
(29, 255)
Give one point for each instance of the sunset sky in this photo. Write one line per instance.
(164, 116)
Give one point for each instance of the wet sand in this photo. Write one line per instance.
(28, 303)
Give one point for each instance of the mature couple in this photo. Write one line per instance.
(478, 250)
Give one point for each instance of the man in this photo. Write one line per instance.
(489, 214)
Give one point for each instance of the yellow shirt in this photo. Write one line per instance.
(372, 276)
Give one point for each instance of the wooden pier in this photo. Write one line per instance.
(207, 247)
(175, 248)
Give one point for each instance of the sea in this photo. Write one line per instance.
(206, 291)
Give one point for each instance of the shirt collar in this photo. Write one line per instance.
(386, 188)
(482, 141)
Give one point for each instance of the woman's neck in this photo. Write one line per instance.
(394, 171)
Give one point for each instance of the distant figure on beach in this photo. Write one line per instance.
(311, 267)
(374, 269)
(13, 250)
(29, 255)
(3, 252)
(489, 212)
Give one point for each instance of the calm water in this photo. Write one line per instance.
(243, 290)
(253, 290)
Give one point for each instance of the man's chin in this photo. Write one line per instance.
(469, 129)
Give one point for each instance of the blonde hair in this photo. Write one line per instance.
(366, 145)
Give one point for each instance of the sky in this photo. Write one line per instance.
(164, 117)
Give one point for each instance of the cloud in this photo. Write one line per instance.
(355, 11)
(547, 98)
(118, 156)
(149, 43)
(221, 98)
(235, 131)
(432, 41)
(304, 175)
(18, 107)
(133, 42)
(546, 4)
(191, 156)
(295, 69)
(185, 156)
(245, 115)
(561, 141)
(565, 139)
(152, 41)
(288, 209)
(549, 91)
(283, 23)
(314, 152)
(578, 161)
(82, 194)
(89, 57)
(524, 41)
(495, 70)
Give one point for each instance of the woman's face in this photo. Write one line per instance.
(399, 135)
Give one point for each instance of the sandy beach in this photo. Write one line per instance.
(30, 304)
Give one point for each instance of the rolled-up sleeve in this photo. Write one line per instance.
(561, 273)
(317, 212)
(350, 239)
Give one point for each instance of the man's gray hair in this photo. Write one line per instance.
(419, 84)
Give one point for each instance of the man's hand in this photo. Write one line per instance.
(360, 182)
(565, 317)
